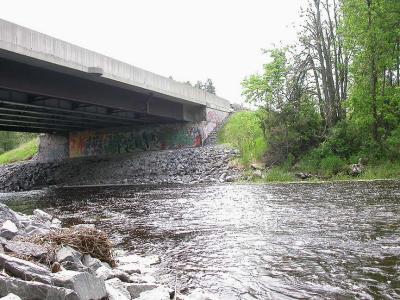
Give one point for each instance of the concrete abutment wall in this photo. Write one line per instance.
(53, 147)
(107, 142)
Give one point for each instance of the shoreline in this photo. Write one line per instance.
(41, 259)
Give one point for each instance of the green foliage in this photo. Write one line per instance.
(10, 140)
(385, 169)
(244, 132)
(268, 89)
(334, 97)
(332, 165)
(279, 174)
(394, 144)
(23, 152)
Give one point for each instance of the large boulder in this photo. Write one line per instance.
(32, 290)
(27, 249)
(116, 290)
(87, 286)
(68, 253)
(70, 259)
(8, 230)
(24, 269)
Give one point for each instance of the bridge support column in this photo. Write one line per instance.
(53, 147)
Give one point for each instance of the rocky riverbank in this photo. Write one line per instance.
(41, 260)
(187, 166)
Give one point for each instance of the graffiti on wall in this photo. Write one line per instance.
(161, 137)
(92, 143)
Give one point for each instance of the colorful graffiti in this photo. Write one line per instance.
(92, 143)
(157, 137)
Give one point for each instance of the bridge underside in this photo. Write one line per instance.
(35, 99)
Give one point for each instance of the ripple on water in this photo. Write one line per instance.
(250, 241)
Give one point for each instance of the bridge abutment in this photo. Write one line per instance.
(113, 141)
(53, 147)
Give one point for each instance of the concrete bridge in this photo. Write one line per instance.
(91, 104)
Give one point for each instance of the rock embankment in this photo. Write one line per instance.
(188, 166)
(32, 269)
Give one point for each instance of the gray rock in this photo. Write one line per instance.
(7, 213)
(26, 248)
(106, 273)
(116, 290)
(32, 290)
(87, 286)
(10, 297)
(159, 293)
(135, 289)
(42, 215)
(75, 266)
(91, 262)
(24, 269)
(8, 230)
(229, 179)
(68, 253)
(34, 229)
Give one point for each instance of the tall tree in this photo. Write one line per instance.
(372, 33)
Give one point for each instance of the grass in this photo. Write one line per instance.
(385, 170)
(243, 131)
(279, 174)
(22, 152)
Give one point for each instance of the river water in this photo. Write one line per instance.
(289, 241)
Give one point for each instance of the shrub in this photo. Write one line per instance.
(243, 131)
(332, 165)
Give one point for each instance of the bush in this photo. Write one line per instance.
(332, 165)
(243, 131)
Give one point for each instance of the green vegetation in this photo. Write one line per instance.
(334, 96)
(243, 131)
(22, 152)
(10, 140)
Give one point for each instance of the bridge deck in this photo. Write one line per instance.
(46, 83)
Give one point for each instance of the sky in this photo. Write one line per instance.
(186, 39)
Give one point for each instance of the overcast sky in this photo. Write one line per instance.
(186, 39)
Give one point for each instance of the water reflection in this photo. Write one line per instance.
(251, 241)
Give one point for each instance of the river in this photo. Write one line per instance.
(239, 241)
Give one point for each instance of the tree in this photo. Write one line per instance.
(208, 86)
(289, 117)
(372, 33)
(322, 45)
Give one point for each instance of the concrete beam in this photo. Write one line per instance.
(36, 49)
